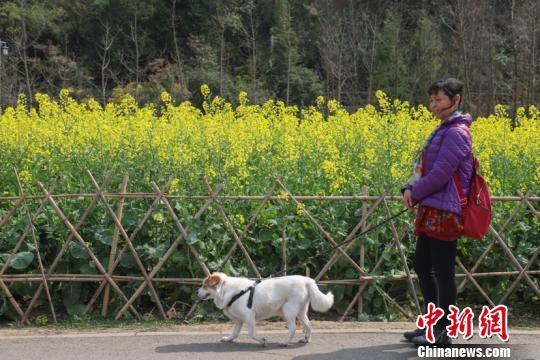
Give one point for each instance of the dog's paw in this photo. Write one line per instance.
(263, 342)
(227, 339)
(303, 340)
(284, 344)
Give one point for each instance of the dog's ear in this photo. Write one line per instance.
(212, 281)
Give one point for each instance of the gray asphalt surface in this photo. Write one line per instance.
(164, 346)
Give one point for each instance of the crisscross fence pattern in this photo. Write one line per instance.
(352, 254)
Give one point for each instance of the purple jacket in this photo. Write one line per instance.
(449, 150)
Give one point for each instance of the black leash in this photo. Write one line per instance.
(251, 289)
(279, 273)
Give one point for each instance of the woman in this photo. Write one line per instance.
(438, 222)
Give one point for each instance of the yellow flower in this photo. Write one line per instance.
(166, 98)
(205, 90)
(300, 209)
(173, 189)
(25, 176)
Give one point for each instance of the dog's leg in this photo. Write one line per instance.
(307, 324)
(289, 313)
(251, 330)
(235, 332)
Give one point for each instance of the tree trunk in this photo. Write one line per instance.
(25, 62)
(178, 57)
(135, 37)
(253, 63)
(515, 57)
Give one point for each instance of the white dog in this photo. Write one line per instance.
(288, 296)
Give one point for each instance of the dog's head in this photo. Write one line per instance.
(210, 286)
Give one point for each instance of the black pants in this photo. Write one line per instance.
(434, 263)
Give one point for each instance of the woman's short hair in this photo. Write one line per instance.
(451, 87)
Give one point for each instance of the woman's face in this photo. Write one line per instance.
(441, 106)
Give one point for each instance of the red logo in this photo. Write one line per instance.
(460, 323)
(491, 322)
(429, 320)
(494, 322)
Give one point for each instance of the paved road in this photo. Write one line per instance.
(164, 346)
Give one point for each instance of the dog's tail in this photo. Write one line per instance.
(319, 301)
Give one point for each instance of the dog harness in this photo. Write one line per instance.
(251, 290)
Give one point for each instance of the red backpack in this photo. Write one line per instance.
(477, 208)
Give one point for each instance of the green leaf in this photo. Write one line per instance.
(88, 268)
(78, 251)
(265, 235)
(194, 231)
(22, 260)
(127, 260)
(75, 309)
(192, 237)
(3, 259)
(104, 237)
(72, 293)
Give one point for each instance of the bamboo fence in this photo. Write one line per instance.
(108, 281)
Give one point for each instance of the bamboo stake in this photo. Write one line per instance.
(514, 260)
(13, 302)
(66, 244)
(328, 237)
(138, 228)
(169, 252)
(180, 228)
(36, 245)
(197, 281)
(10, 213)
(529, 264)
(131, 248)
(362, 249)
(475, 283)
(364, 280)
(352, 234)
(520, 275)
(26, 230)
(403, 259)
(534, 211)
(325, 234)
(250, 223)
(141, 195)
(490, 246)
(232, 231)
(81, 241)
(6, 290)
(114, 246)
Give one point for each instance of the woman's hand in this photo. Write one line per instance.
(407, 199)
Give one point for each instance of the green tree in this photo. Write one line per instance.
(25, 23)
(426, 56)
(391, 69)
(293, 80)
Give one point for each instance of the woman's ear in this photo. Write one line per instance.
(457, 101)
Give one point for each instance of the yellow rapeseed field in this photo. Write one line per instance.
(322, 149)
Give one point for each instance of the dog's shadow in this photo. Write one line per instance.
(387, 352)
(222, 347)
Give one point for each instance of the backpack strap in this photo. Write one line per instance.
(462, 198)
